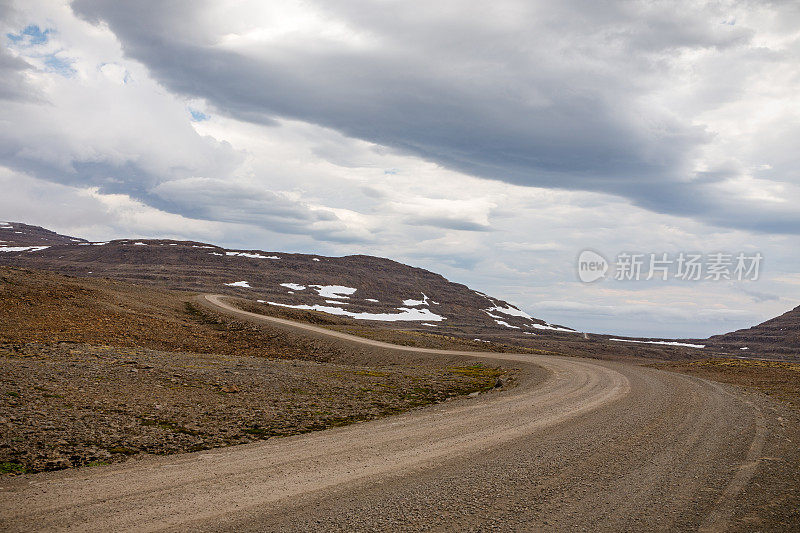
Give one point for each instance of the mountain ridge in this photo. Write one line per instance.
(362, 289)
(366, 288)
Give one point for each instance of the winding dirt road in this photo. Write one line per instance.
(592, 446)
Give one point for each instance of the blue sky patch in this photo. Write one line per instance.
(198, 116)
(32, 35)
(59, 65)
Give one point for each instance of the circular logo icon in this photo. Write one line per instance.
(591, 266)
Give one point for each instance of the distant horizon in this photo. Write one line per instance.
(531, 310)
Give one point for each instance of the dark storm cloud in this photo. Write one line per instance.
(550, 95)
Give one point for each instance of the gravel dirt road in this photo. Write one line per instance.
(592, 445)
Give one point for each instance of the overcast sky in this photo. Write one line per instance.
(490, 142)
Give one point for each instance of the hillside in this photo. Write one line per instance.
(93, 371)
(368, 289)
(778, 336)
(364, 295)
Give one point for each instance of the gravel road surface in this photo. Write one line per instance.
(592, 446)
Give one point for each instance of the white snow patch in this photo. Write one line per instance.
(506, 324)
(315, 259)
(744, 348)
(334, 291)
(251, 256)
(244, 284)
(510, 311)
(22, 248)
(336, 302)
(294, 286)
(405, 314)
(666, 343)
(529, 333)
(553, 328)
(415, 303)
(431, 325)
(373, 300)
(197, 246)
(140, 244)
(491, 315)
(215, 253)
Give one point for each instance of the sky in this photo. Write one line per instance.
(489, 142)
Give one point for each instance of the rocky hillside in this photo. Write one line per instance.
(779, 336)
(368, 289)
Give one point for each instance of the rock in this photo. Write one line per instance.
(230, 389)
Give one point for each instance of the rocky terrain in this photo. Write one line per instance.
(95, 371)
(780, 380)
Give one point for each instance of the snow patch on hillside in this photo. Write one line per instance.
(553, 328)
(294, 286)
(22, 248)
(506, 324)
(510, 311)
(334, 291)
(251, 256)
(666, 343)
(244, 284)
(405, 315)
(415, 303)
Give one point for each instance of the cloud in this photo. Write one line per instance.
(569, 95)
(241, 203)
(13, 82)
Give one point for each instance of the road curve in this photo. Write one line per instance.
(596, 445)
